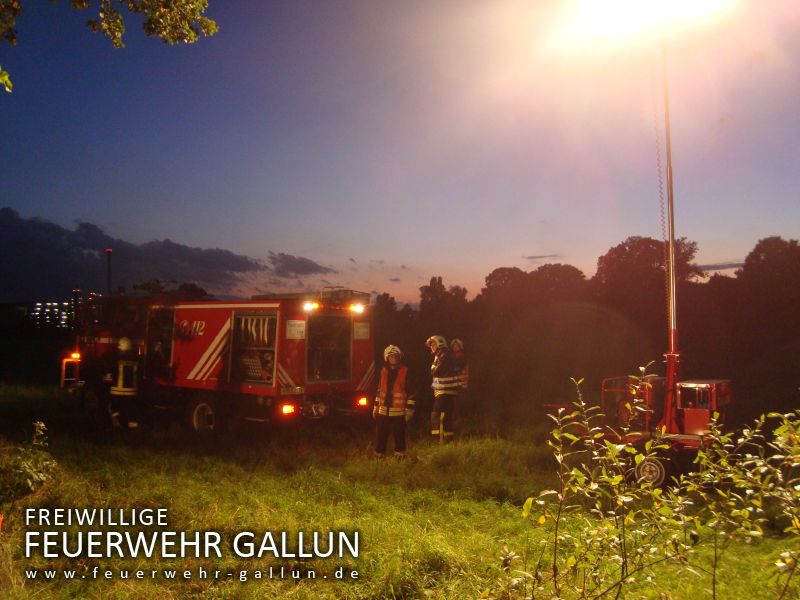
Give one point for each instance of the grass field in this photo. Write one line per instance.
(432, 526)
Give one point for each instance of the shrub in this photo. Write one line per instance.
(26, 467)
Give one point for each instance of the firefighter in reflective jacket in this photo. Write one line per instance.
(393, 405)
(446, 384)
(124, 377)
(462, 367)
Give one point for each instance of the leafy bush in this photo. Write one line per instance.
(26, 467)
(607, 529)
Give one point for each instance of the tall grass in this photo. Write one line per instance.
(432, 526)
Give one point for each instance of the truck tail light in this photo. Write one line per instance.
(288, 409)
(362, 401)
(75, 356)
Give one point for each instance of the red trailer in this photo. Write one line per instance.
(684, 421)
(271, 357)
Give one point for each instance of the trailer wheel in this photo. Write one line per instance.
(654, 470)
(202, 416)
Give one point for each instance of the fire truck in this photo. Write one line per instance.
(273, 357)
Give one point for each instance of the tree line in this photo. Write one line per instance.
(527, 333)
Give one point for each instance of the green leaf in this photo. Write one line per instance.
(5, 80)
(526, 508)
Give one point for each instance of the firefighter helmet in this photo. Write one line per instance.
(455, 341)
(390, 350)
(438, 340)
(125, 344)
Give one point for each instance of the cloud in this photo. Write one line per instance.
(724, 266)
(543, 257)
(395, 280)
(41, 260)
(353, 260)
(287, 265)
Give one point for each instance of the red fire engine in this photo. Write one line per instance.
(271, 357)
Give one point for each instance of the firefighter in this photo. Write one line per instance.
(462, 367)
(394, 407)
(124, 377)
(446, 384)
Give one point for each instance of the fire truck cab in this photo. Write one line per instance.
(271, 357)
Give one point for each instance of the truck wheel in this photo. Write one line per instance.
(202, 416)
(654, 470)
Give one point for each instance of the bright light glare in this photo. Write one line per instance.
(595, 24)
(309, 306)
(357, 308)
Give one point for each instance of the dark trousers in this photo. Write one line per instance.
(444, 404)
(390, 425)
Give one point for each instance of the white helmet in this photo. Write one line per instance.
(455, 341)
(125, 344)
(438, 340)
(389, 350)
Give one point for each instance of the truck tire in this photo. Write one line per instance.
(202, 415)
(655, 470)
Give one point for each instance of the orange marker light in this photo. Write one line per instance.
(362, 401)
(75, 356)
(288, 409)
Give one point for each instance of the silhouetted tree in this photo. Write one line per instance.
(192, 291)
(631, 278)
(553, 282)
(442, 310)
(770, 286)
(154, 286)
(768, 325)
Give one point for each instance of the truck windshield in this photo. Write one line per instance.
(329, 342)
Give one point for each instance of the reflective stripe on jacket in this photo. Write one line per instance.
(396, 405)
(446, 385)
(443, 370)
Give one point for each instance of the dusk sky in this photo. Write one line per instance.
(391, 141)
